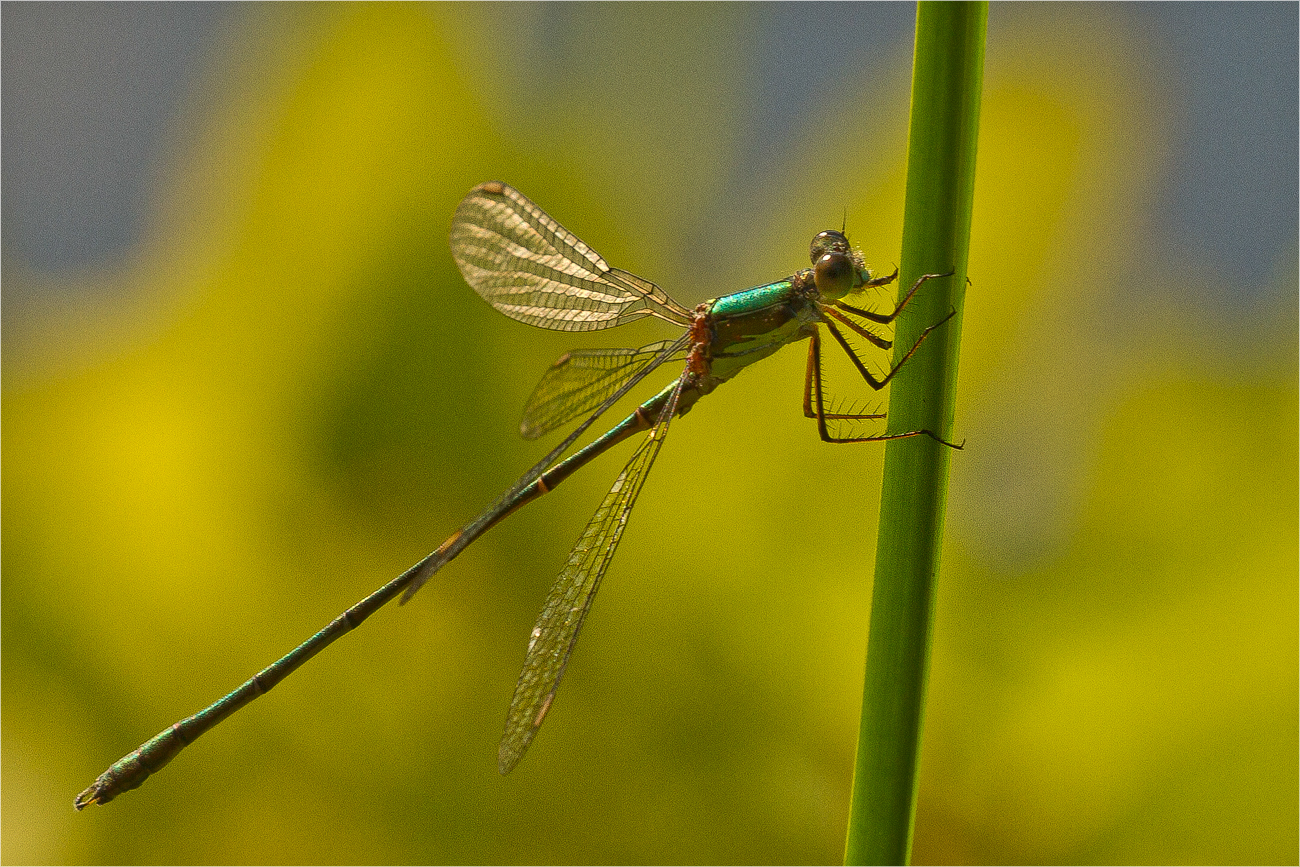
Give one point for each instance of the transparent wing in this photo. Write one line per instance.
(510, 499)
(531, 268)
(571, 595)
(581, 380)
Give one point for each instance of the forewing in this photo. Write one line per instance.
(531, 268)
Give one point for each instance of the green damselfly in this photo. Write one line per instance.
(529, 267)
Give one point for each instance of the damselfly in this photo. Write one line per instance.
(529, 267)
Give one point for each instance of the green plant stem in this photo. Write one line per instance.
(946, 80)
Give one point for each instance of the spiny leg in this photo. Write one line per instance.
(881, 281)
(814, 374)
(872, 338)
(815, 369)
(814, 348)
(886, 318)
(878, 384)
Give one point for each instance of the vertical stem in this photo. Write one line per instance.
(947, 75)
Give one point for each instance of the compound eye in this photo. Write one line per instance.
(829, 241)
(833, 275)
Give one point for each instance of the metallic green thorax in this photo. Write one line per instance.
(749, 326)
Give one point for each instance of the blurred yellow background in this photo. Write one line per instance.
(276, 392)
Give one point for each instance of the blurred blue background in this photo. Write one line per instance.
(243, 385)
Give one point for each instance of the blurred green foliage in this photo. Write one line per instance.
(291, 395)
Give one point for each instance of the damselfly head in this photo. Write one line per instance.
(829, 241)
(834, 275)
(838, 268)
